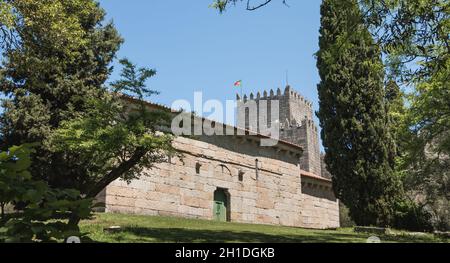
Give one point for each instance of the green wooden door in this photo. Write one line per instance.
(220, 206)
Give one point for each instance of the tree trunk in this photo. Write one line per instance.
(116, 173)
(74, 219)
(2, 208)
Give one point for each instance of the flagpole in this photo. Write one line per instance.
(239, 83)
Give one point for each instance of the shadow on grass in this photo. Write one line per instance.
(181, 235)
(175, 235)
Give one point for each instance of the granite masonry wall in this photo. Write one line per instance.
(264, 185)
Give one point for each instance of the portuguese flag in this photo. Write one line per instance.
(238, 83)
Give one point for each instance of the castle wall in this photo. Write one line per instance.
(320, 209)
(296, 121)
(270, 191)
(306, 136)
(299, 108)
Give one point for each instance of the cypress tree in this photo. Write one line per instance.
(353, 115)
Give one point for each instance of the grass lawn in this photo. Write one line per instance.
(135, 228)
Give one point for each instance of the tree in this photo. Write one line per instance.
(426, 159)
(414, 36)
(114, 141)
(353, 116)
(396, 112)
(56, 95)
(6, 24)
(60, 19)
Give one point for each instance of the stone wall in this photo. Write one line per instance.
(306, 136)
(320, 208)
(270, 191)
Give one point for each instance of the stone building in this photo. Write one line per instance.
(234, 178)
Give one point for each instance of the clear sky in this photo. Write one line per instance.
(194, 48)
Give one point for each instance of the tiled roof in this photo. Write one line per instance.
(314, 176)
(163, 107)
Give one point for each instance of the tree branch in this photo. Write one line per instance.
(256, 7)
(261, 5)
(117, 172)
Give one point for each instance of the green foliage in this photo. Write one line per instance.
(56, 95)
(111, 136)
(14, 165)
(412, 33)
(112, 140)
(344, 217)
(7, 19)
(55, 23)
(43, 212)
(6, 15)
(133, 80)
(45, 216)
(414, 36)
(63, 78)
(353, 116)
(426, 161)
(413, 217)
(396, 111)
(220, 5)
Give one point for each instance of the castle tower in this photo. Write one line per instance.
(295, 118)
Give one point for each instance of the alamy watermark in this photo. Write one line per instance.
(242, 117)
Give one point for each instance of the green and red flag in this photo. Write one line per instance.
(238, 83)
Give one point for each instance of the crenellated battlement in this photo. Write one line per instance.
(288, 93)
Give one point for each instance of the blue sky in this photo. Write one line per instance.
(194, 48)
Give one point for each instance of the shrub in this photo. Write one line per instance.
(412, 217)
(41, 212)
(344, 216)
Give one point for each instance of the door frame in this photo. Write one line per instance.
(228, 202)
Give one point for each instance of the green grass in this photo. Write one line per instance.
(135, 228)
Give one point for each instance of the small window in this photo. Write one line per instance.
(241, 176)
(197, 168)
(257, 166)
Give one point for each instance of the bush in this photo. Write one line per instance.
(43, 212)
(439, 208)
(412, 217)
(344, 216)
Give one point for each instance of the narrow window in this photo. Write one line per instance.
(241, 176)
(257, 168)
(197, 168)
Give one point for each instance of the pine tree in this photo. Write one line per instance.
(353, 115)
